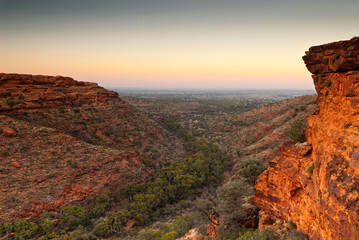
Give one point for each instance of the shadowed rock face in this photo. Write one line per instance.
(318, 189)
(20, 91)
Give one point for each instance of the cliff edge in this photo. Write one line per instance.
(315, 184)
(25, 91)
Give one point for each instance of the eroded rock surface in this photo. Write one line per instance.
(317, 187)
(24, 91)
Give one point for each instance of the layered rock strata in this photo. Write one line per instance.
(20, 91)
(316, 184)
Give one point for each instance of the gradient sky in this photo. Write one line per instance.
(217, 44)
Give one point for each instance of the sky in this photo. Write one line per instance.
(172, 44)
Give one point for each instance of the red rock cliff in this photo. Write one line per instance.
(20, 91)
(318, 188)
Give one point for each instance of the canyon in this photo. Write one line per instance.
(65, 143)
(315, 184)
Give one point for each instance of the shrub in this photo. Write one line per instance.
(10, 102)
(103, 230)
(181, 225)
(146, 234)
(4, 153)
(310, 169)
(10, 199)
(43, 132)
(7, 228)
(73, 216)
(20, 97)
(327, 83)
(250, 169)
(265, 234)
(73, 164)
(118, 220)
(46, 227)
(24, 229)
(228, 196)
(296, 131)
(169, 236)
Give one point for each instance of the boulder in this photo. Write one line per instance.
(16, 164)
(9, 132)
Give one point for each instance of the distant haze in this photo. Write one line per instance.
(187, 44)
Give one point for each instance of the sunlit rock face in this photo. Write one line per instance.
(318, 189)
(24, 91)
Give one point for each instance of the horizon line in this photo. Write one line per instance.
(211, 89)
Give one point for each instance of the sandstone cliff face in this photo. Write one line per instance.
(318, 189)
(19, 91)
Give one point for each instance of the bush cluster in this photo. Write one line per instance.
(296, 131)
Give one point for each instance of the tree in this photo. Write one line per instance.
(250, 169)
(296, 131)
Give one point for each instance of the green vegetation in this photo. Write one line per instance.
(103, 230)
(181, 179)
(265, 234)
(296, 131)
(177, 228)
(43, 132)
(4, 153)
(310, 169)
(184, 178)
(168, 204)
(73, 164)
(69, 219)
(327, 83)
(250, 169)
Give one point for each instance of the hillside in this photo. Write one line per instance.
(65, 142)
(315, 185)
(242, 127)
(78, 161)
(250, 137)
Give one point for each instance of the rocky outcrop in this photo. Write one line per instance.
(20, 91)
(316, 185)
(9, 132)
(193, 234)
